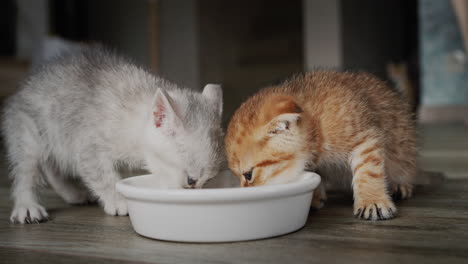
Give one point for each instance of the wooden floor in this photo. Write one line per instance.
(431, 228)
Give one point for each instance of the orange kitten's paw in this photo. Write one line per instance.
(381, 209)
(402, 191)
(319, 198)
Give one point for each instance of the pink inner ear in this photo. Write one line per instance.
(159, 115)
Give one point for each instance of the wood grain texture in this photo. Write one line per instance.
(431, 228)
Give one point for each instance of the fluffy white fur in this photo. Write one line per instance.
(84, 115)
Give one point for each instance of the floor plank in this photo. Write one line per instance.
(431, 228)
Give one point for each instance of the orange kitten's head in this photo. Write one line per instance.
(265, 140)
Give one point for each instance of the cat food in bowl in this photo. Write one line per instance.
(219, 213)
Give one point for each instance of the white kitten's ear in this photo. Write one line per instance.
(165, 112)
(282, 123)
(215, 94)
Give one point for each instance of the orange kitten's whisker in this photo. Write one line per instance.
(258, 177)
(281, 169)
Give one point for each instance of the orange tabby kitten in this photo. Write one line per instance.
(324, 121)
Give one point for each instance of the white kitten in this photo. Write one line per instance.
(86, 114)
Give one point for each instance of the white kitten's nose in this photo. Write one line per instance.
(191, 182)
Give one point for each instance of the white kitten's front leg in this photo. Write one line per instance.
(27, 210)
(101, 178)
(113, 202)
(26, 207)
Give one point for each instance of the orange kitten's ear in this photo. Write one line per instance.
(283, 123)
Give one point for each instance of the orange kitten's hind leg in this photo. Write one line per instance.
(402, 191)
(371, 200)
(401, 171)
(320, 197)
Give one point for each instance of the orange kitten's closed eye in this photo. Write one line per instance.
(326, 120)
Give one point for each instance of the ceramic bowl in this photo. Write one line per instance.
(219, 213)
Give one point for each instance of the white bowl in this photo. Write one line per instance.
(217, 215)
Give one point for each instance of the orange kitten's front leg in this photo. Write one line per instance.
(371, 200)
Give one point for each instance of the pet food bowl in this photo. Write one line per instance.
(217, 213)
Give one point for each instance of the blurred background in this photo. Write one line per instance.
(419, 47)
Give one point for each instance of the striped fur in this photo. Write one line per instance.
(324, 120)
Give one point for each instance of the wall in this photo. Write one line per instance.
(361, 35)
(444, 64)
(443, 60)
(122, 23)
(32, 27)
(247, 45)
(375, 33)
(179, 42)
(322, 34)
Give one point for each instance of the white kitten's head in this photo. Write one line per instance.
(185, 136)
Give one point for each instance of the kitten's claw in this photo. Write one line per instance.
(378, 210)
(28, 214)
(357, 214)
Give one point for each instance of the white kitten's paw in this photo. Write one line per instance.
(116, 205)
(28, 214)
(376, 209)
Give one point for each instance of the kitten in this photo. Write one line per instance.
(328, 121)
(84, 115)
